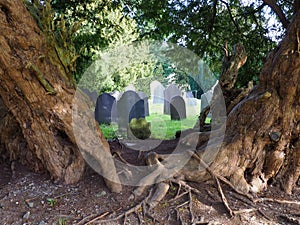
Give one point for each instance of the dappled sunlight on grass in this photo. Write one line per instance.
(162, 127)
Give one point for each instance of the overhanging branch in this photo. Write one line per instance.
(278, 11)
(231, 16)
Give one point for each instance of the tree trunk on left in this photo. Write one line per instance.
(36, 101)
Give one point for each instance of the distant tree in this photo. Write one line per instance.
(102, 26)
(205, 26)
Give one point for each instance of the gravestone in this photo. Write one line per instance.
(206, 99)
(207, 96)
(129, 106)
(171, 91)
(205, 78)
(144, 96)
(119, 96)
(157, 92)
(190, 100)
(177, 108)
(138, 110)
(106, 109)
(116, 94)
(195, 93)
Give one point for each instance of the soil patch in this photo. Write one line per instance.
(30, 198)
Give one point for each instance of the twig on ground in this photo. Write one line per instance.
(276, 200)
(246, 201)
(84, 219)
(169, 215)
(139, 218)
(117, 153)
(191, 207)
(126, 213)
(236, 190)
(185, 185)
(210, 194)
(178, 191)
(181, 205)
(93, 220)
(178, 196)
(241, 211)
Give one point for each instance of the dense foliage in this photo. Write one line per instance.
(203, 26)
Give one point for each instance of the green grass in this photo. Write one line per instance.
(109, 131)
(162, 127)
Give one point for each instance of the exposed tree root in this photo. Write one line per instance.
(159, 194)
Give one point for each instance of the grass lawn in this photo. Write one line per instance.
(162, 127)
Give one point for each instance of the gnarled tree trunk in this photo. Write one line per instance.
(262, 137)
(36, 120)
(261, 143)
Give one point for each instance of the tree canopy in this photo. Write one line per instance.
(205, 26)
(202, 26)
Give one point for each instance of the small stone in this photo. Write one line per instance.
(30, 204)
(102, 193)
(26, 215)
(42, 223)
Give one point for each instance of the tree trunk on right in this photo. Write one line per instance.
(261, 144)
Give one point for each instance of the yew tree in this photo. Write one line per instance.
(261, 143)
(36, 100)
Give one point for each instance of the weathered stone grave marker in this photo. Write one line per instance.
(129, 106)
(144, 96)
(177, 108)
(106, 109)
(171, 91)
(157, 92)
(190, 100)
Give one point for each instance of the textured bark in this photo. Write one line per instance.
(37, 100)
(225, 88)
(261, 144)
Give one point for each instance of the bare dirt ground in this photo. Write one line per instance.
(31, 198)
